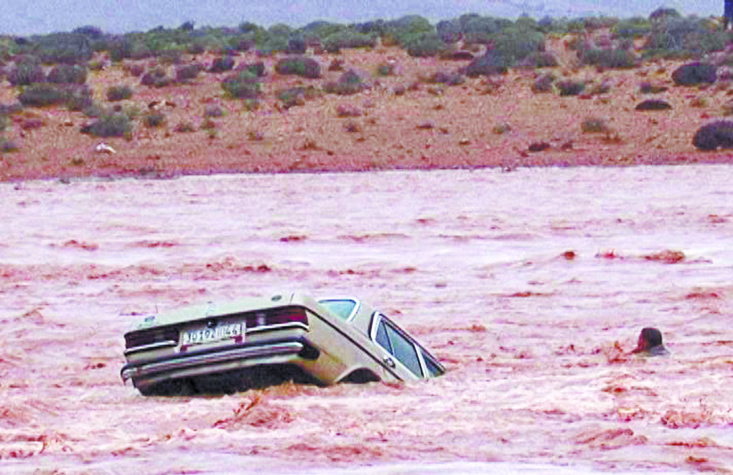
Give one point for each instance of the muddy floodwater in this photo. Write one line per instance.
(530, 286)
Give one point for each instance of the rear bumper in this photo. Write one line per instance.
(211, 362)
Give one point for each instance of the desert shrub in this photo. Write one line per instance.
(350, 82)
(449, 31)
(299, 65)
(594, 125)
(109, 125)
(7, 145)
(188, 72)
(634, 27)
(156, 78)
(256, 69)
(715, 135)
(134, 69)
(649, 88)
(78, 98)
(347, 39)
(185, 127)
(348, 110)
(501, 128)
(196, 48)
(569, 87)
(695, 73)
(223, 64)
(597, 88)
(30, 124)
(67, 48)
(442, 77)
(543, 83)
(169, 56)
(384, 69)
(544, 59)
(213, 110)
(296, 45)
(489, 64)
(43, 95)
(653, 105)
(9, 109)
(26, 71)
(516, 43)
(68, 74)
(243, 85)
(153, 119)
(292, 97)
(425, 45)
(609, 58)
(119, 93)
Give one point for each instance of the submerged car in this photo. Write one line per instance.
(233, 346)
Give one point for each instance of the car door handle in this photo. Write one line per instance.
(389, 362)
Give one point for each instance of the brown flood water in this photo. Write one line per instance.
(530, 286)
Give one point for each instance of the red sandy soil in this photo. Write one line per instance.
(430, 127)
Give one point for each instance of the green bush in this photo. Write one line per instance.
(109, 125)
(7, 145)
(715, 135)
(67, 48)
(350, 82)
(695, 73)
(188, 72)
(609, 58)
(223, 64)
(594, 125)
(119, 93)
(243, 85)
(153, 119)
(347, 39)
(292, 97)
(425, 45)
(4, 121)
(385, 69)
(489, 64)
(68, 74)
(156, 77)
(517, 43)
(570, 88)
(256, 69)
(78, 98)
(442, 77)
(299, 65)
(43, 95)
(27, 71)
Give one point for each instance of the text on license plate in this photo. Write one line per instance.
(207, 335)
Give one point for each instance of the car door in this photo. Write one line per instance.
(398, 351)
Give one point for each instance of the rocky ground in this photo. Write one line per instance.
(495, 121)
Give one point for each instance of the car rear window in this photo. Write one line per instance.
(341, 307)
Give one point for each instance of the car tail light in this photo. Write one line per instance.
(153, 336)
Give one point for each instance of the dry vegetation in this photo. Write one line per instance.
(405, 111)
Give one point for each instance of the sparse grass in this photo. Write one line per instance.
(153, 119)
(119, 93)
(594, 125)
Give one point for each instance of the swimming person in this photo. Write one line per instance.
(650, 343)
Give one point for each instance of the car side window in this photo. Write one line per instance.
(398, 345)
(432, 367)
(382, 338)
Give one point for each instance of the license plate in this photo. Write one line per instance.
(218, 333)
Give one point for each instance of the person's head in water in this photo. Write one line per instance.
(650, 342)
